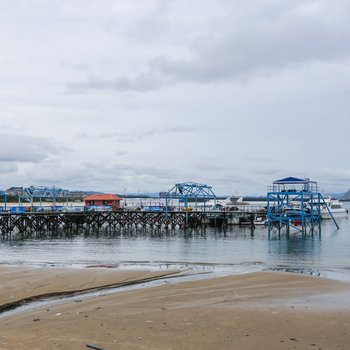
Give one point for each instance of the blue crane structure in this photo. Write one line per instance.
(41, 192)
(189, 190)
(295, 203)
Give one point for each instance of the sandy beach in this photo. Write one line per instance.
(262, 310)
(19, 283)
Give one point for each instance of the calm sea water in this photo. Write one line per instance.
(234, 251)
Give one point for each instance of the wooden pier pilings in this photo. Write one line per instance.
(53, 221)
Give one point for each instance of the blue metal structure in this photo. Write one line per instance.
(189, 190)
(3, 193)
(41, 192)
(295, 203)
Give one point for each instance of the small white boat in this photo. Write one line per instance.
(260, 221)
(336, 208)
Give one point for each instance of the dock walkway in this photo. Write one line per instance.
(53, 221)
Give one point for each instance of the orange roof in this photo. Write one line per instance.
(102, 197)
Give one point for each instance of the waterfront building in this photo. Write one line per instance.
(103, 199)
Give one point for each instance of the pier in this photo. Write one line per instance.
(23, 223)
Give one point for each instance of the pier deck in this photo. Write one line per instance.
(51, 221)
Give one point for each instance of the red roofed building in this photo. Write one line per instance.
(102, 200)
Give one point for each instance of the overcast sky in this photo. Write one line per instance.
(115, 95)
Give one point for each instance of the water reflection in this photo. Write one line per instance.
(233, 247)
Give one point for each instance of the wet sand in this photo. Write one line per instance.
(18, 283)
(262, 310)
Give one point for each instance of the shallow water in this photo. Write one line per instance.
(235, 250)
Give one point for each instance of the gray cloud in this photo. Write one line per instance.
(125, 169)
(239, 93)
(21, 148)
(228, 178)
(164, 131)
(269, 172)
(132, 136)
(258, 48)
(140, 83)
(336, 178)
(117, 135)
(135, 177)
(270, 39)
(121, 153)
(209, 167)
(261, 158)
(8, 167)
(72, 176)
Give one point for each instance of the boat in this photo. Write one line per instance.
(335, 207)
(260, 220)
(233, 203)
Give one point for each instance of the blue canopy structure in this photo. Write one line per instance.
(293, 180)
(294, 183)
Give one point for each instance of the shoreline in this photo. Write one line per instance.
(216, 269)
(267, 310)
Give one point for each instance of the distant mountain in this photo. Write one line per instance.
(346, 196)
(334, 195)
